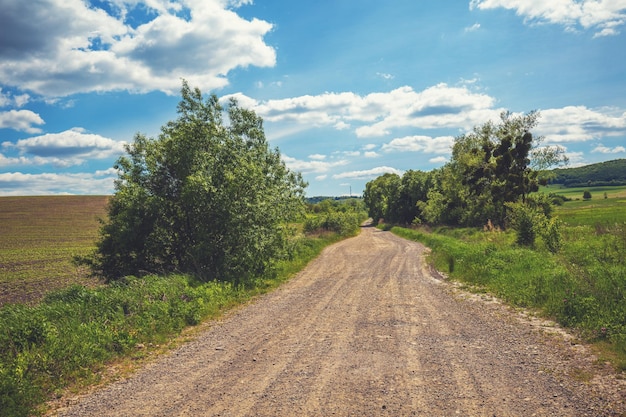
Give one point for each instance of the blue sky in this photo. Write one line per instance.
(348, 89)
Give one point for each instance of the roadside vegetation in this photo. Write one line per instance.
(582, 287)
(496, 219)
(204, 217)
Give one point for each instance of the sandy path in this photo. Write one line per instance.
(363, 331)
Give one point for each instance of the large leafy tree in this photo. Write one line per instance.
(496, 163)
(381, 195)
(206, 197)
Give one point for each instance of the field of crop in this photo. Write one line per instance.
(39, 236)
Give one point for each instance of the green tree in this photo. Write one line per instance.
(587, 195)
(205, 198)
(380, 196)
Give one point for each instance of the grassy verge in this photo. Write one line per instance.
(70, 336)
(582, 287)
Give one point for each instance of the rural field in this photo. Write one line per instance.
(606, 206)
(39, 236)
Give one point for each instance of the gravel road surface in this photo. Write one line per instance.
(367, 330)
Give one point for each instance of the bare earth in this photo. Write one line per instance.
(366, 330)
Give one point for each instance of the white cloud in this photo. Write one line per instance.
(601, 16)
(321, 177)
(580, 124)
(473, 28)
(576, 159)
(68, 148)
(371, 154)
(367, 174)
(607, 150)
(426, 144)
(82, 48)
(438, 160)
(377, 114)
(317, 157)
(22, 120)
(8, 99)
(17, 183)
(313, 166)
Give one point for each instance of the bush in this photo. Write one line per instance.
(526, 221)
(551, 234)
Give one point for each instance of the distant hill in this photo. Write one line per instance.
(600, 174)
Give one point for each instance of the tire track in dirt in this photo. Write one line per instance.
(364, 330)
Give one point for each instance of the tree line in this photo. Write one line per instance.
(607, 173)
(491, 175)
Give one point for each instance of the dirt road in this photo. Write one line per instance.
(365, 330)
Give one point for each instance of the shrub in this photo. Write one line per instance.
(525, 220)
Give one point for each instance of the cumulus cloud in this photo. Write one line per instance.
(377, 114)
(18, 184)
(580, 124)
(426, 144)
(607, 150)
(312, 166)
(21, 120)
(9, 99)
(602, 16)
(57, 47)
(68, 148)
(368, 174)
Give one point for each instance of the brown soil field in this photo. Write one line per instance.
(39, 236)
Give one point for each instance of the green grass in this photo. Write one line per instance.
(593, 212)
(583, 286)
(38, 238)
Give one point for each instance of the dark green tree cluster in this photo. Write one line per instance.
(206, 197)
(607, 173)
(395, 199)
(491, 167)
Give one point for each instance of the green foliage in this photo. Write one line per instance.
(551, 234)
(493, 165)
(398, 199)
(586, 195)
(72, 331)
(609, 173)
(380, 194)
(526, 221)
(343, 218)
(583, 287)
(205, 198)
